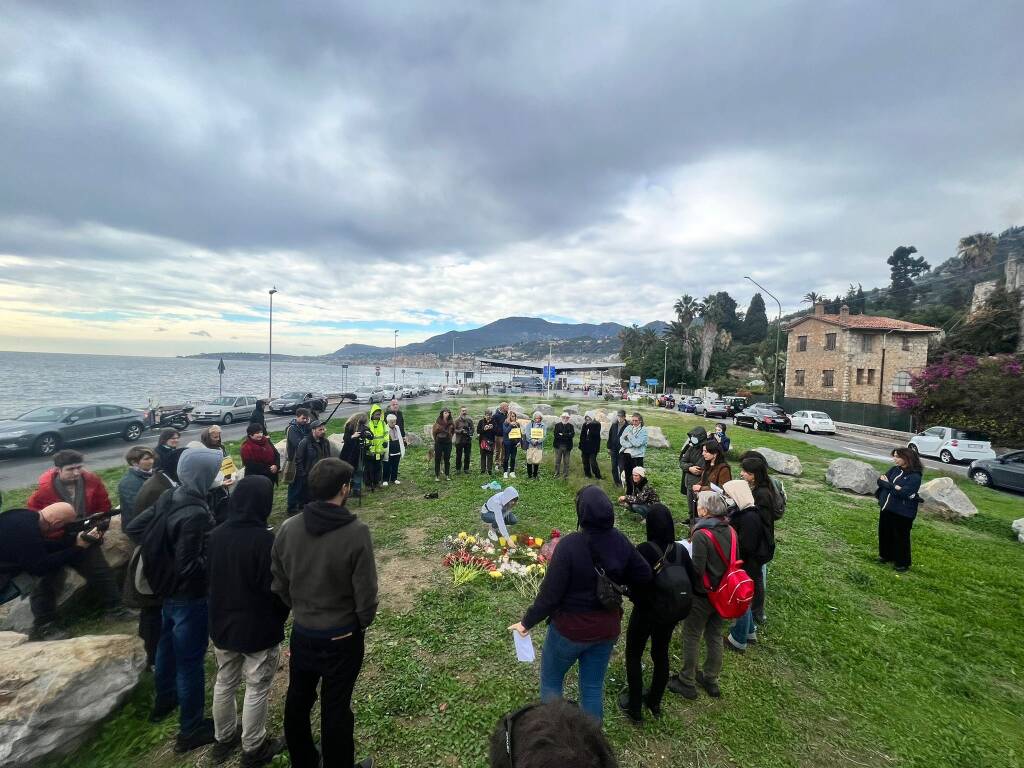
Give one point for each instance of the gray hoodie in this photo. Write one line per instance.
(190, 521)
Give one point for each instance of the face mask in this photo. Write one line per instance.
(694, 440)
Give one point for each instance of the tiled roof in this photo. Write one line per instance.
(867, 323)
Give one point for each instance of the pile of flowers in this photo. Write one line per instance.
(521, 559)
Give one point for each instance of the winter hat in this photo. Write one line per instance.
(640, 471)
(739, 491)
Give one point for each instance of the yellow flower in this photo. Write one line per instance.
(463, 535)
(471, 539)
(513, 539)
(538, 541)
(501, 541)
(495, 575)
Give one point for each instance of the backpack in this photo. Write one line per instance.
(735, 591)
(779, 498)
(155, 551)
(673, 593)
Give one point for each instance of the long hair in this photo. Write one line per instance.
(758, 467)
(911, 457)
(713, 447)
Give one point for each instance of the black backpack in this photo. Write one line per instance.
(156, 551)
(673, 593)
(779, 499)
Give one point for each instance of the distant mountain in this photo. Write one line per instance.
(508, 331)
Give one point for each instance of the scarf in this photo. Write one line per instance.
(73, 494)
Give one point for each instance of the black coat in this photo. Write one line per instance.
(590, 438)
(259, 415)
(613, 436)
(898, 492)
(750, 534)
(24, 549)
(353, 449)
(245, 615)
(309, 452)
(563, 435)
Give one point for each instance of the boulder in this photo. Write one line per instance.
(117, 547)
(17, 614)
(656, 438)
(56, 692)
(944, 500)
(544, 408)
(598, 414)
(412, 439)
(783, 463)
(428, 434)
(572, 409)
(852, 475)
(282, 448)
(1018, 528)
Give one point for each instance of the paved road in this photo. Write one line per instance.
(21, 471)
(868, 447)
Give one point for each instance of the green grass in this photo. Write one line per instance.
(858, 665)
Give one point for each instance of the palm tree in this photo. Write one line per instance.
(977, 250)
(812, 298)
(686, 308)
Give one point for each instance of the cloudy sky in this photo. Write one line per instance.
(427, 166)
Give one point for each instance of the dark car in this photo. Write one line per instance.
(45, 430)
(762, 417)
(735, 404)
(1004, 472)
(290, 402)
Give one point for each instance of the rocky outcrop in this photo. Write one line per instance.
(16, 615)
(1018, 528)
(943, 499)
(783, 463)
(852, 475)
(54, 693)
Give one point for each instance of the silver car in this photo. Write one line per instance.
(45, 430)
(225, 409)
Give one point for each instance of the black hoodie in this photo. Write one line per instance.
(661, 534)
(692, 455)
(245, 615)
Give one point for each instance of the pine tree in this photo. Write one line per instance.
(904, 268)
(755, 322)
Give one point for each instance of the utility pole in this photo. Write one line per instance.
(664, 370)
(394, 362)
(270, 350)
(549, 376)
(778, 332)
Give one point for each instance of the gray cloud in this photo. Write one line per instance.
(200, 333)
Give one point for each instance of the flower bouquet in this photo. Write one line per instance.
(520, 559)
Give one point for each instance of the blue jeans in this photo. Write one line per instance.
(179, 659)
(743, 628)
(560, 654)
(296, 493)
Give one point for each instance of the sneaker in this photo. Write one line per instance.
(505, 475)
(730, 645)
(513, 476)
(752, 638)
(222, 749)
(398, 482)
(447, 477)
(161, 709)
(263, 754)
(678, 686)
(623, 700)
(492, 535)
(437, 479)
(712, 688)
(200, 737)
(898, 568)
(385, 484)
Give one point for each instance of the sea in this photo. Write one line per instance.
(29, 379)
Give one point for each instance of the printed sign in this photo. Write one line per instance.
(536, 433)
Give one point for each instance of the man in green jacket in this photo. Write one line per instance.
(377, 446)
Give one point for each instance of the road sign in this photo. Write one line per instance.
(549, 372)
(652, 382)
(377, 370)
(634, 379)
(467, 375)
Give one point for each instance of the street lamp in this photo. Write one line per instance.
(270, 347)
(664, 370)
(778, 331)
(394, 361)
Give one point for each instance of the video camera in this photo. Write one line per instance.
(100, 521)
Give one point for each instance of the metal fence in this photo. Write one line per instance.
(865, 414)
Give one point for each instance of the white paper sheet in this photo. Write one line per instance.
(524, 647)
(687, 545)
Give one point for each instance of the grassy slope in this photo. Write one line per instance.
(858, 665)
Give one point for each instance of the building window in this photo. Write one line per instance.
(860, 375)
(906, 343)
(830, 341)
(901, 382)
(801, 343)
(799, 379)
(867, 343)
(828, 378)
(871, 376)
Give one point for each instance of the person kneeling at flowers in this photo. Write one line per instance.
(643, 497)
(497, 512)
(581, 627)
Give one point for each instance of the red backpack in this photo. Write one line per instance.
(735, 591)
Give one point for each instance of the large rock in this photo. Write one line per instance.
(598, 414)
(1018, 528)
(943, 499)
(117, 547)
(54, 693)
(544, 408)
(852, 475)
(656, 438)
(783, 463)
(428, 434)
(17, 615)
(282, 448)
(337, 441)
(572, 409)
(412, 439)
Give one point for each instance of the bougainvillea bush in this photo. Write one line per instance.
(969, 392)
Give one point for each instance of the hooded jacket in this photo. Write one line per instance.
(294, 433)
(324, 569)
(692, 455)
(568, 594)
(590, 437)
(661, 536)
(746, 520)
(163, 479)
(92, 498)
(378, 443)
(245, 615)
(499, 501)
(128, 490)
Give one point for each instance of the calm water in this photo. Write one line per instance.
(28, 380)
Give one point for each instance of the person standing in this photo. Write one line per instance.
(140, 468)
(259, 456)
(323, 569)
(259, 415)
(513, 438)
(396, 450)
(463, 441)
(590, 445)
(246, 623)
(443, 431)
(581, 628)
(377, 446)
(613, 444)
(754, 549)
(296, 431)
(563, 435)
(180, 676)
(633, 448)
(716, 471)
(722, 438)
(486, 439)
(770, 505)
(311, 450)
(897, 508)
(691, 462)
(166, 444)
(535, 435)
(394, 410)
(353, 449)
(499, 419)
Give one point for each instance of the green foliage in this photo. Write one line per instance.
(904, 268)
(755, 321)
(992, 330)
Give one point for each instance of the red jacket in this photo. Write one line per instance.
(96, 498)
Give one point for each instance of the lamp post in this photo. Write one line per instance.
(778, 331)
(664, 370)
(270, 347)
(394, 361)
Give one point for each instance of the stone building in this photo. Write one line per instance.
(854, 358)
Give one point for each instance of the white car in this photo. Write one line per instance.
(225, 409)
(437, 388)
(454, 389)
(951, 444)
(392, 392)
(813, 421)
(369, 395)
(408, 392)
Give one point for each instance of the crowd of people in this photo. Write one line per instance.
(207, 569)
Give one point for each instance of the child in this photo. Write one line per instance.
(498, 512)
(396, 450)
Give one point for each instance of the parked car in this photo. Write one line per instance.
(437, 389)
(716, 409)
(225, 409)
(952, 444)
(45, 430)
(392, 392)
(409, 391)
(369, 395)
(813, 421)
(290, 402)
(735, 404)
(453, 389)
(762, 417)
(1003, 472)
(688, 404)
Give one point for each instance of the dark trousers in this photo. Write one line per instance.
(590, 467)
(334, 665)
(151, 620)
(391, 469)
(442, 450)
(627, 463)
(532, 470)
(91, 566)
(462, 451)
(508, 463)
(296, 490)
(640, 629)
(374, 468)
(614, 454)
(894, 538)
(486, 461)
(179, 660)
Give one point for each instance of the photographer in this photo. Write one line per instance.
(37, 544)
